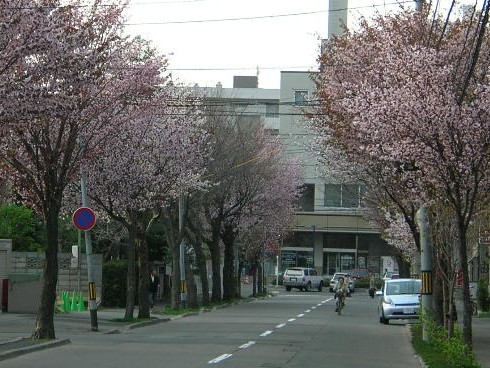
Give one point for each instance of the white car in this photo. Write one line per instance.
(302, 278)
(399, 299)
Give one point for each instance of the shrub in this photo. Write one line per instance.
(482, 296)
(452, 352)
(114, 283)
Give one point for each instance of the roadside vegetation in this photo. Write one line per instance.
(441, 351)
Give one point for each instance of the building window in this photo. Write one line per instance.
(333, 195)
(271, 110)
(300, 97)
(342, 195)
(307, 199)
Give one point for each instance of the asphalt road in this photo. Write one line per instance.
(295, 329)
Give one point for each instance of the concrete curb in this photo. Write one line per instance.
(408, 331)
(29, 349)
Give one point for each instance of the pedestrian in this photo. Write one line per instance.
(154, 282)
(372, 285)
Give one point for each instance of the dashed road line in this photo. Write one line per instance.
(268, 332)
(220, 358)
(247, 345)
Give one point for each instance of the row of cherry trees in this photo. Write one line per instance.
(405, 99)
(81, 99)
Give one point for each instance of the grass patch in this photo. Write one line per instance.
(483, 315)
(431, 356)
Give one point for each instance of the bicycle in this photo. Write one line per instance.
(340, 296)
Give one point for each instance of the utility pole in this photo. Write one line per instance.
(183, 284)
(426, 266)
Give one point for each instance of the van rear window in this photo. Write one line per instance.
(294, 272)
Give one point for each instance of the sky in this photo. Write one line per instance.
(210, 41)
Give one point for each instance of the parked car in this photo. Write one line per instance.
(360, 273)
(302, 278)
(399, 299)
(335, 279)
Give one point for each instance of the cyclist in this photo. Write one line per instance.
(341, 290)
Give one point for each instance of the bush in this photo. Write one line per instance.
(442, 351)
(482, 296)
(114, 283)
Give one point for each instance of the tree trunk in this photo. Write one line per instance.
(203, 272)
(438, 299)
(45, 316)
(403, 267)
(175, 291)
(467, 309)
(131, 277)
(144, 272)
(192, 301)
(216, 264)
(260, 278)
(254, 279)
(238, 278)
(229, 284)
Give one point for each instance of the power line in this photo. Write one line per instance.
(258, 17)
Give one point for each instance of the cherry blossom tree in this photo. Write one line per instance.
(155, 157)
(412, 90)
(242, 169)
(67, 73)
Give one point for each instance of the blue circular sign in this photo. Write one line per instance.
(84, 218)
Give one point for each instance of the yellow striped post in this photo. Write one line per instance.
(427, 283)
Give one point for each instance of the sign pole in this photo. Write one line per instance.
(84, 219)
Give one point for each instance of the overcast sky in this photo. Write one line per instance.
(210, 41)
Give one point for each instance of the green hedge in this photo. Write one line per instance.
(114, 283)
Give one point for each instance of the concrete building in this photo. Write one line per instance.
(329, 232)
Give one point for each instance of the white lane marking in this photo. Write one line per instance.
(319, 304)
(268, 332)
(300, 315)
(220, 358)
(248, 344)
(291, 319)
(308, 311)
(313, 307)
(281, 325)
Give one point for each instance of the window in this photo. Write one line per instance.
(307, 199)
(350, 195)
(342, 195)
(300, 97)
(271, 110)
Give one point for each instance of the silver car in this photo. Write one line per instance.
(399, 299)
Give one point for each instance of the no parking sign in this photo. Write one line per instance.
(84, 218)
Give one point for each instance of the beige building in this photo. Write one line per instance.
(329, 232)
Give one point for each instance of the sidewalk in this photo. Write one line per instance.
(481, 340)
(16, 328)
